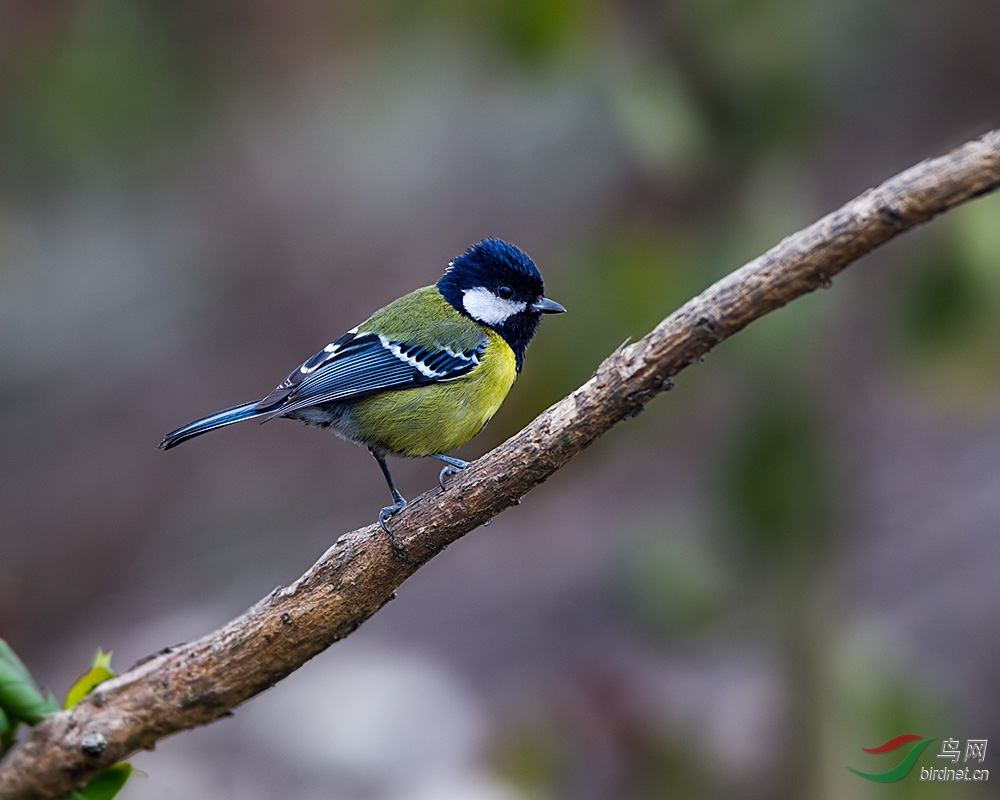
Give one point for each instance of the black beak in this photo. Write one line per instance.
(546, 306)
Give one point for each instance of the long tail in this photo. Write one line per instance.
(217, 420)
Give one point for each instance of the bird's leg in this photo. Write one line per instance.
(454, 465)
(398, 500)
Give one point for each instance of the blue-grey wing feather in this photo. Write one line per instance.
(356, 365)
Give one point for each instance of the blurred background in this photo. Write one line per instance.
(791, 556)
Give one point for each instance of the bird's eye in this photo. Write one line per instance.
(505, 292)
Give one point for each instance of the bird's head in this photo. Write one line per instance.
(496, 284)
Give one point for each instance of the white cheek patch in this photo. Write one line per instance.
(483, 305)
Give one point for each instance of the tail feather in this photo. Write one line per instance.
(217, 420)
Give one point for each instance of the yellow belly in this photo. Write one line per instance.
(439, 417)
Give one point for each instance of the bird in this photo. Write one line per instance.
(419, 377)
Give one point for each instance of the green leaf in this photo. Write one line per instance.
(99, 672)
(102, 659)
(20, 697)
(104, 785)
(8, 733)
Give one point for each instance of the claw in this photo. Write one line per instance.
(383, 517)
(447, 472)
(454, 466)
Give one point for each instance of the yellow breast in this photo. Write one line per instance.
(442, 416)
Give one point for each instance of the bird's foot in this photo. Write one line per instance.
(383, 517)
(447, 472)
(455, 465)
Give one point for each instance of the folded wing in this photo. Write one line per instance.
(360, 364)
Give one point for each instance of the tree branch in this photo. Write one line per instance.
(195, 683)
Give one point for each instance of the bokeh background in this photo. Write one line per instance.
(793, 555)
